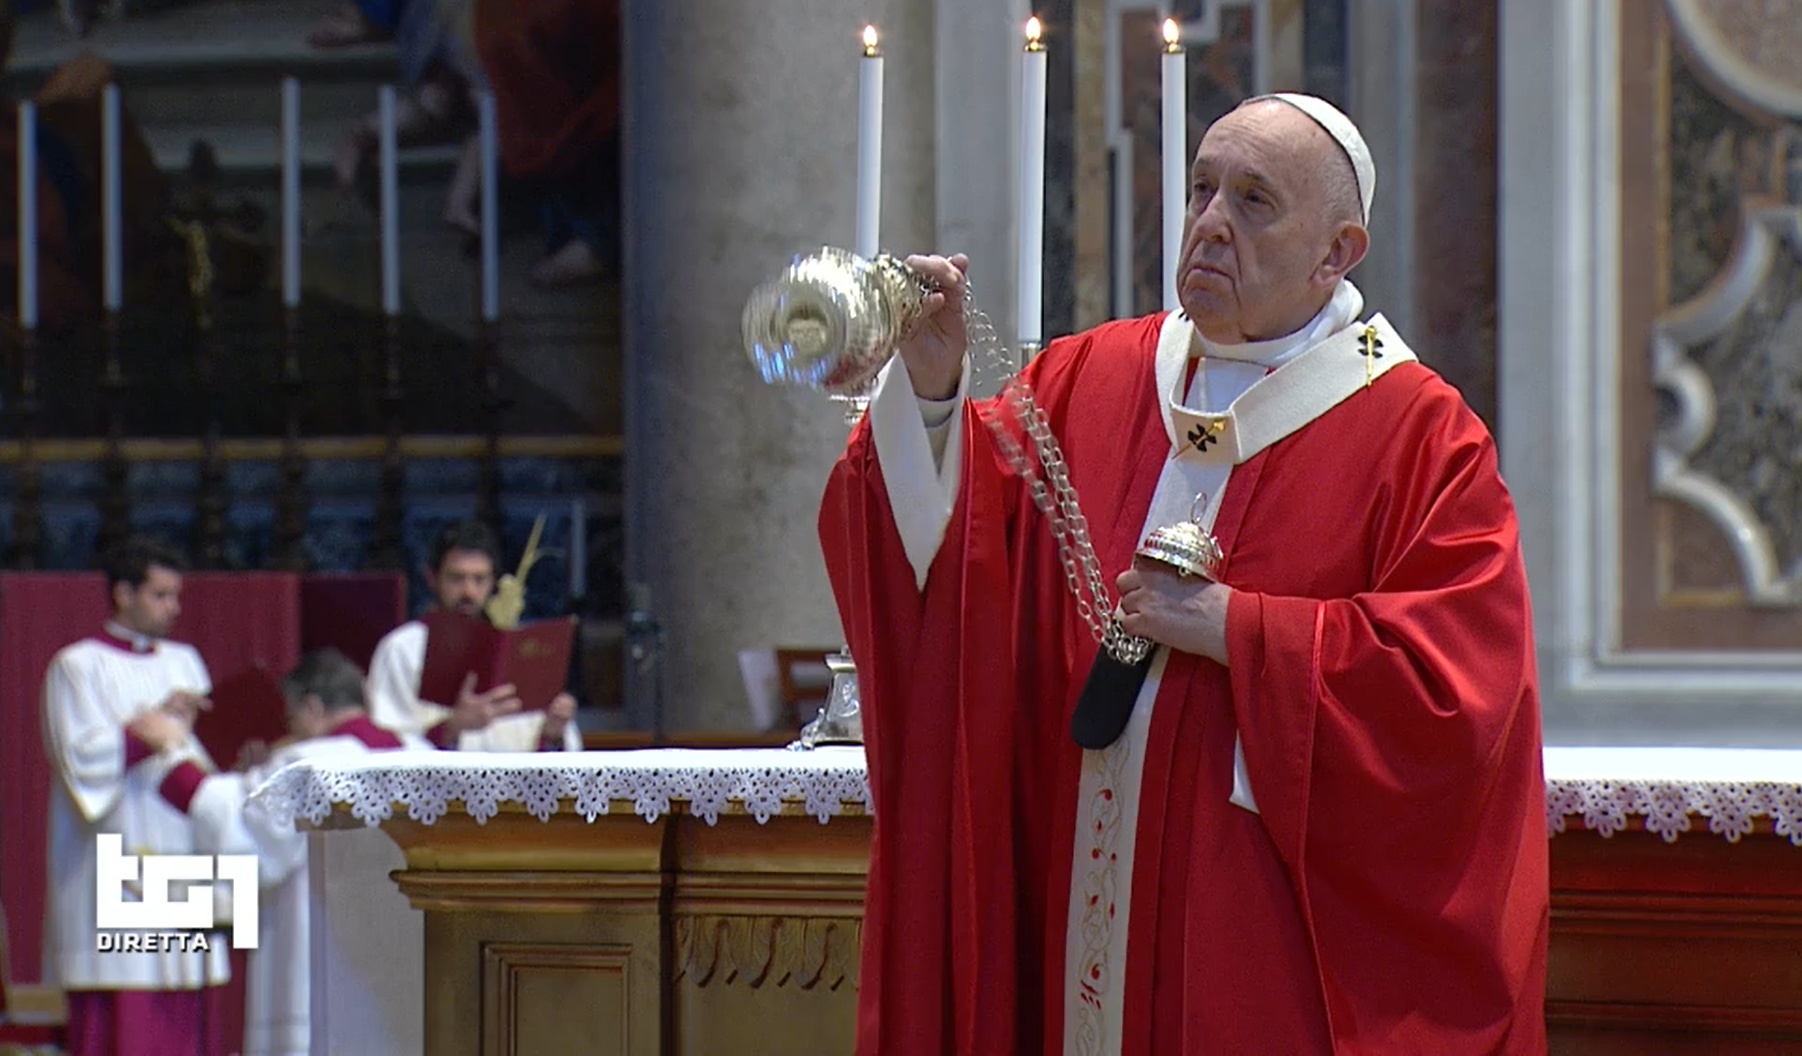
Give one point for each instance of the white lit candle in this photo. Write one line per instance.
(28, 216)
(491, 226)
(1175, 155)
(1030, 315)
(390, 180)
(113, 203)
(291, 192)
(578, 549)
(869, 147)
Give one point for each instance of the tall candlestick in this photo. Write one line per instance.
(1176, 155)
(491, 210)
(291, 192)
(113, 202)
(578, 549)
(869, 147)
(28, 216)
(390, 206)
(1030, 320)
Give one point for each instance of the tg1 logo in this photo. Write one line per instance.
(156, 911)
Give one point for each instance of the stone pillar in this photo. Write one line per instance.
(977, 76)
(1381, 92)
(740, 135)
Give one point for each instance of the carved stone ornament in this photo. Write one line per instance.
(1752, 48)
(1736, 463)
(803, 952)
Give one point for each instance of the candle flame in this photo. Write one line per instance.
(869, 40)
(1034, 31)
(1173, 35)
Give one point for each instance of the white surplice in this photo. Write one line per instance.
(91, 691)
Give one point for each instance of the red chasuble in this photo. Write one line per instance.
(1390, 893)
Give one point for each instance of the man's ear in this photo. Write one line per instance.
(1348, 247)
(121, 595)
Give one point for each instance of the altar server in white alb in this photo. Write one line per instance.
(462, 578)
(326, 720)
(118, 717)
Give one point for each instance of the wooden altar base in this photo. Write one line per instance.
(628, 937)
(1670, 948)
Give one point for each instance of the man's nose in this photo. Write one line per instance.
(1212, 222)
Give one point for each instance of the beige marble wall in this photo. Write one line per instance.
(740, 149)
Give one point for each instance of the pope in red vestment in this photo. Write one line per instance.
(1323, 828)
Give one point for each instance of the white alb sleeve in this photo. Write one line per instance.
(922, 475)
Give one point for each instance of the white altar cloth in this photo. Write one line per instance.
(761, 781)
(1731, 788)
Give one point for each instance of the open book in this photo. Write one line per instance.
(534, 658)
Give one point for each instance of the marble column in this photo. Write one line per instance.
(977, 79)
(1455, 184)
(1381, 83)
(1422, 87)
(740, 133)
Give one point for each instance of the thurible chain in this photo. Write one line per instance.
(1053, 494)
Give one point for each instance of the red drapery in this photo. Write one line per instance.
(40, 612)
(351, 611)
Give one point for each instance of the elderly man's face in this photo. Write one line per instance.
(1259, 237)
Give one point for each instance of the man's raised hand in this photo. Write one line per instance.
(934, 349)
(474, 711)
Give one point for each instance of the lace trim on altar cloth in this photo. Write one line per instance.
(1667, 806)
(1668, 788)
(822, 783)
(1671, 786)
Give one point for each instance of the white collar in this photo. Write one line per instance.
(1317, 378)
(136, 641)
(1340, 310)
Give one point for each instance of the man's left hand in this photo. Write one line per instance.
(1182, 612)
(557, 716)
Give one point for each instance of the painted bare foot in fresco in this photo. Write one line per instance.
(461, 209)
(575, 262)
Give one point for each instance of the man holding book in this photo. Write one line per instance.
(462, 579)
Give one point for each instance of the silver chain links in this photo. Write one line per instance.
(1082, 569)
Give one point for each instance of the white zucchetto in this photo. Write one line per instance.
(1346, 134)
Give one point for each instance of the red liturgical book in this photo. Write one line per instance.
(535, 658)
(248, 706)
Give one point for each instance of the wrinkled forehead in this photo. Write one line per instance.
(1267, 139)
